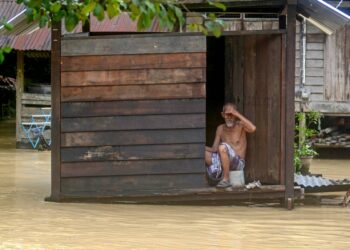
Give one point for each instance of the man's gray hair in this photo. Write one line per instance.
(228, 104)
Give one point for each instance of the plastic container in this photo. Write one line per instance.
(237, 178)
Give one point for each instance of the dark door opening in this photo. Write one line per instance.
(215, 88)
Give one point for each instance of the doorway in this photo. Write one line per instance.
(215, 88)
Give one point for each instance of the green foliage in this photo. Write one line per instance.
(3, 51)
(169, 13)
(6, 25)
(297, 160)
(303, 146)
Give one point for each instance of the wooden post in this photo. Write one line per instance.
(289, 106)
(56, 109)
(302, 127)
(19, 92)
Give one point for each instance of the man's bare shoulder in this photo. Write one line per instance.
(220, 128)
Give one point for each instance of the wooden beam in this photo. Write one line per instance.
(289, 105)
(56, 112)
(19, 92)
(283, 113)
(129, 44)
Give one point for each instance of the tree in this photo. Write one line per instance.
(169, 13)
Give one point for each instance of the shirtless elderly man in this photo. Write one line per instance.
(230, 144)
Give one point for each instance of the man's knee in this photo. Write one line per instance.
(222, 149)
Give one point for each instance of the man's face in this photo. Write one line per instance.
(228, 116)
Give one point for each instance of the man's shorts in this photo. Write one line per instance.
(236, 163)
(214, 171)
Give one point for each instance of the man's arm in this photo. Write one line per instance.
(247, 125)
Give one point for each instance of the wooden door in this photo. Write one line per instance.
(253, 82)
(132, 114)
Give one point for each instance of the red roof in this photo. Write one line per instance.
(40, 39)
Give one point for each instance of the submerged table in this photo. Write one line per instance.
(36, 127)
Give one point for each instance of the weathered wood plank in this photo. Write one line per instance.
(116, 108)
(314, 80)
(143, 167)
(289, 104)
(315, 38)
(19, 92)
(347, 64)
(132, 77)
(273, 109)
(36, 102)
(315, 46)
(261, 169)
(133, 122)
(32, 96)
(316, 97)
(330, 66)
(283, 113)
(56, 111)
(318, 54)
(36, 99)
(120, 153)
(314, 63)
(134, 92)
(29, 111)
(331, 107)
(128, 62)
(249, 104)
(133, 44)
(122, 185)
(314, 72)
(136, 137)
(238, 72)
(229, 62)
(191, 195)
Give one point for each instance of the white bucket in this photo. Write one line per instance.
(237, 178)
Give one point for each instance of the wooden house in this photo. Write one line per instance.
(130, 111)
(322, 76)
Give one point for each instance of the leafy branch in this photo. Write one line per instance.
(6, 49)
(169, 13)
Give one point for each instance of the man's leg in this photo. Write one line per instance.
(208, 160)
(225, 161)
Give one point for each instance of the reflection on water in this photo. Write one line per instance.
(27, 222)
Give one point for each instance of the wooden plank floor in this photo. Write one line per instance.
(266, 192)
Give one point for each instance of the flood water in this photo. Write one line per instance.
(28, 222)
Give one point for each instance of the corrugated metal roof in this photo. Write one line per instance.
(15, 14)
(40, 39)
(307, 181)
(323, 13)
(9, 8)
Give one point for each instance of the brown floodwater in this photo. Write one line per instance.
(28, 222)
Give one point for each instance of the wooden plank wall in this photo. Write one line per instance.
(259, 63)
(315, 61)
(337, 70)
(132, 114)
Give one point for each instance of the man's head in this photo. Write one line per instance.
(228, 113)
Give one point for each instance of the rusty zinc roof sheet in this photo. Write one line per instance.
(9, 8)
